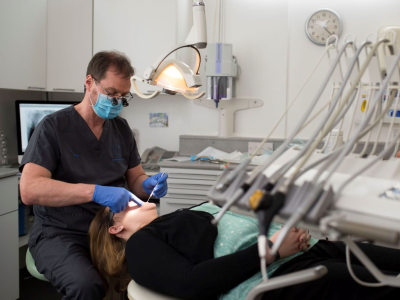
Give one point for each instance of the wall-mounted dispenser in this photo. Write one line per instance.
(221, 68)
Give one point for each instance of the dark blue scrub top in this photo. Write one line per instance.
(64, 144)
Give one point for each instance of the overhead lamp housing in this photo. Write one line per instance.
(176, 76)
(173, 75)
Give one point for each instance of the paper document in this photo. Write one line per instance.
(218, 154)
(177, 158)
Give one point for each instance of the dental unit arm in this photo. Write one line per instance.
(317, 188)
(383, 279)
(243, 189)
(266, 206)
(225, 181)
(320, 189)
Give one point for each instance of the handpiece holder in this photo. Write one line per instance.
(278, 282)
(268, 208)
(338, 227)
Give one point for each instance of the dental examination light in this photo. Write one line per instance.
(173, 75)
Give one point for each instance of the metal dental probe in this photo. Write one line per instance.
(152, 192)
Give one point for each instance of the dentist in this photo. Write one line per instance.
(77, 160)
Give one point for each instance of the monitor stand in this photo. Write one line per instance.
(20, 158)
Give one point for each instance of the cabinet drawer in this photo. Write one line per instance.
(168, 205)
(69, 24)
(190, 181)
(8, 194)
(177, 176)
(9, 258)
(185, 197)
(191, 171)
(188, 191)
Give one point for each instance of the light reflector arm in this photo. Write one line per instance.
(198, 34)
(138, 92)
(198, 96)
(150, 71)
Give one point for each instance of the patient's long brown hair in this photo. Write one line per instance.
(108, 255)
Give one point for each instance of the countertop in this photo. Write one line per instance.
(201, 165)
(6, 172)
(188, 164)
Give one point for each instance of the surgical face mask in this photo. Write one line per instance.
(104, 107)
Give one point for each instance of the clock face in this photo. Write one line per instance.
(322, 24)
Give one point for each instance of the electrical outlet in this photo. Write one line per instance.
(252, 146)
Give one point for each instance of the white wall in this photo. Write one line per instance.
(359, 17)
(258, 32)
(275, 56)
(269, 41)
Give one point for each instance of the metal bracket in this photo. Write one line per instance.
(286, 280)
(227, 110)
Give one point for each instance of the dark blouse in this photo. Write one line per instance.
(173, 255)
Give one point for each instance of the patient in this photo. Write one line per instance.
(181, 254)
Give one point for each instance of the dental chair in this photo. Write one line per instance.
(138, 292)
(30, 265)
(135, 291)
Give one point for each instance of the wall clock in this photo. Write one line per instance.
(322, 24)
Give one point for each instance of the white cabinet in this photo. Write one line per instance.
(69, 43)
(186, 187)
(143, 30)
(45, 44)
(9, 275)
(8, 194)
(23, 44)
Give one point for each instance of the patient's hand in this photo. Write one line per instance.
(295, 241)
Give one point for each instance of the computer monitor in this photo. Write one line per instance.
(29, 114)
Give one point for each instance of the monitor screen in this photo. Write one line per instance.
(29, 114)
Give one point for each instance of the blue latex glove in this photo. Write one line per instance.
(116, 198)
(162, 187)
